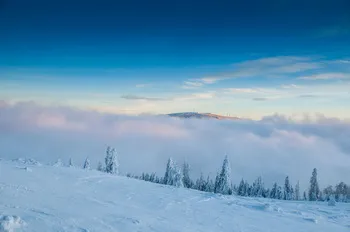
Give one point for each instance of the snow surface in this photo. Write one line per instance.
(71, 199)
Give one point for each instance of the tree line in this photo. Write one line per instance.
(180, 177)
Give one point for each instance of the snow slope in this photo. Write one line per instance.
(46, 198)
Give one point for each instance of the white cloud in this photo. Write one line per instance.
(196, 96)
(326, 76)
(273, 147)
(241, 90)
(210, 80)
(142, 85)
(135, 97)
(265, 67)
(291, 86)
(192, 84)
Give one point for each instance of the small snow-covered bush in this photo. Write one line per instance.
(10, 223)
(331, 201)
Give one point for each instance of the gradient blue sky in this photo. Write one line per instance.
(243, 58)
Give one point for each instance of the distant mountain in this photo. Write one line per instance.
(201, 116)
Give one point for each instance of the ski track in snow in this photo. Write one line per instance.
(71, 199)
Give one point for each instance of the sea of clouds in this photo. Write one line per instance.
(272, 147)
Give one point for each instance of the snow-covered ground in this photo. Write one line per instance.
(44, 198)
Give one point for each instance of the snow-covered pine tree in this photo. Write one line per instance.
(173, 175)
(70, 164)
(273, 193)
(152, 177)
(258, 188)
(279, 193)
(291, 193)
(188, 183)
(246, 188)
(241, 188)
(314, 191)
(341, 192)
(108, 158)
(216, 184)
(114, 164)
(100, 167)
(297, 192)
(58, 163)
(304, 196)
(86, 164)
(224, 181)
(169, 172)
(327, 192)
(331, 201)
(287, 195)
(208, 185)
(111, 160)
(178, 178)
(200, 183)
(266, 193)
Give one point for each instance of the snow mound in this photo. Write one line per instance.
(10, 223)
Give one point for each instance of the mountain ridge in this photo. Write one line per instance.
(201, 116)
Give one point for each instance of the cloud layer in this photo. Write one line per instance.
(272, 147)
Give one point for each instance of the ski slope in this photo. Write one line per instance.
(47, 198)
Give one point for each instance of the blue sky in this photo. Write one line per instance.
(243, 58)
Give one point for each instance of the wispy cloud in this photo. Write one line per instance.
(143, 85)
(265, 67)
(291, 86)
(196, 96)
(260, 99)
(210, 80)
(307, 96)
(326, 76)
(192, 84)
(241, 90)
(135, 97)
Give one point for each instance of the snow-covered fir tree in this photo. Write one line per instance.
(327, 192)
(279, 193)
(200, 183)
(304, 196)
(173, 174)
(188, 183)
(178, 178)
(331, 201)
(342, 192)
(287, 193)
(257, 188)
(58, 163)
(111, 161)
(169, 172)
(246, 188)
(100, 167)
(297, 192)
(209, 185)
(86, 164)
(314, 191)
(273, 192)
(241, 188)
(223, 184)
(70, 164)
